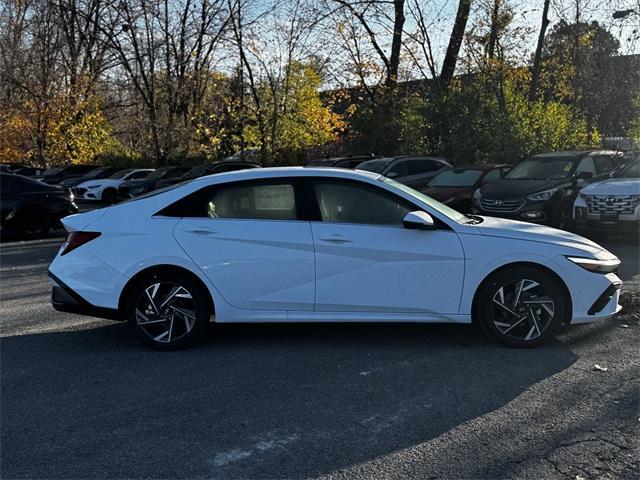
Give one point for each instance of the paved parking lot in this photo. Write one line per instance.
(81, 398)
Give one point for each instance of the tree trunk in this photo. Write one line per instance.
(396, 44)
(537, 61)
(455, 41)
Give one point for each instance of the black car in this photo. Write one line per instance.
(414, 171)
(133, 188)
(56, 175)
(96, 173)
(542, 188)
(31, 208)
(34, 172)
(207, 169)
(340, 162)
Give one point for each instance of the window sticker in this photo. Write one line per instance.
(567, 167)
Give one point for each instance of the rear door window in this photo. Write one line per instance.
(419, 166)
(259, 202)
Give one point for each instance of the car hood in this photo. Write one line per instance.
(108, 182)
(444, 193)
(503, 228)
(614, 186)
(517, 188)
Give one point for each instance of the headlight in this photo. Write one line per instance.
(477, 195)
(91, 187)
(595, 265)
(541, 196)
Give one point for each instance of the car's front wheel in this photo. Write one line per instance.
(168, 311)
(521, 307)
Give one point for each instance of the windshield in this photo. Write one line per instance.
(375, 166)
(52, 171)
(440, 207)
(542, 168)
(158, 173)
(121, 173)
(456, 178)
(96, 172)
(630, 171)
(196, 172)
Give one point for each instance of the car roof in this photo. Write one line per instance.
(279, 172)
(486, 166)
(575, 153)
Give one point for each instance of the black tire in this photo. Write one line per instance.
(34, 224)
(533, 302)
(150, 327)
(109, 195)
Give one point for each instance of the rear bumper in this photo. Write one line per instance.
(65, 299)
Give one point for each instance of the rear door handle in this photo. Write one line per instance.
(335, 238)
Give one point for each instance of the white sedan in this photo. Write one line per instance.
(323, 245)
(106, 189)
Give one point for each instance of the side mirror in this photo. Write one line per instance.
(418, 221)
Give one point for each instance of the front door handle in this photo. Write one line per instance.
(335, 238)
(202, 232)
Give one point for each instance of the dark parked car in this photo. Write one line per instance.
(12, 167)
(340, 162)
(133, 188)
(542, 188)
(455, 187)
(100, 172)
(207, 169)
(56, 175)
(29, 207)
(412, 171)
(33, 172)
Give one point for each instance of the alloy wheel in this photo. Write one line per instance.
(165, 312)
(522, 310)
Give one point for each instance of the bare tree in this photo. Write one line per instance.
(537, 60)
(455, 41)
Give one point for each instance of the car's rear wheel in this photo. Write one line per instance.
(521, 307)
(168, 311)
(34, 224)
(109, 195)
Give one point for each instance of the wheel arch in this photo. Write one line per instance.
(164, 268)
(542, 268)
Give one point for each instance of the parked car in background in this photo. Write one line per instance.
(323, 245)
(133, 188)
(542, 188)
(100, 172)
(414, 171)
(340, 162)
(56, 175)
(31, 208)
(106, 189)
(207, 169)
(12, 167)
(611, 205)
(455, 187)
(32, 172)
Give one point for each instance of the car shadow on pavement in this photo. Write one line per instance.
(253, 401)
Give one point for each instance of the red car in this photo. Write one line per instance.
(455, 187)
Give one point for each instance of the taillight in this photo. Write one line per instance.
(76, 239)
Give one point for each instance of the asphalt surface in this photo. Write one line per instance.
(81, 398)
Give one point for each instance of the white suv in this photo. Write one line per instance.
(612, 205)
